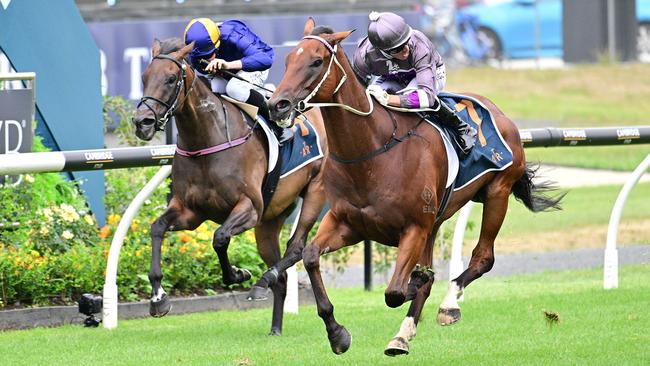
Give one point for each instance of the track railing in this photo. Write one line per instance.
(100, 159)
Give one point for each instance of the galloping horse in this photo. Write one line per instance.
(381, 166)
(225, 186)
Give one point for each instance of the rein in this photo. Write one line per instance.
(172, 106)
(304, 104)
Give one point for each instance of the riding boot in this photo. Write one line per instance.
(257, 99)
(465, 134)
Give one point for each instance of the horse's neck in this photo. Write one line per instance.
(201, 121)
(350, 135)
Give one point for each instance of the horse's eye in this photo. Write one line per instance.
(317, 63)
(171, 79)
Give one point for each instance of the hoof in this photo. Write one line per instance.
(448, 316)
(257, 293)
(240, 275)
(340, 340)
(158, 309)
(275, 332)
(397, 346)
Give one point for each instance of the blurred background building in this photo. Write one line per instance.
(100, 10)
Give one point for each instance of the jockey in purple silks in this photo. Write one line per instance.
(231, 45)
(403, 69)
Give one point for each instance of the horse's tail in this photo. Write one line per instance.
(532, 194)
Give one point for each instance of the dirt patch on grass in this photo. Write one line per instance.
(635, 232)
(594, 236)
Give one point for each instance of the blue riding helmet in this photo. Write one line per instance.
(205, 35)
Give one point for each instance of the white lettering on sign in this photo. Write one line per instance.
(525, 136)
(135, 56)
(5, 3)
(102, 63)
(5, 129)
(104, 155)
(574, 135)
(168, 151)
(628, 133)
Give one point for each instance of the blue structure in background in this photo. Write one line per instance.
(51, 39)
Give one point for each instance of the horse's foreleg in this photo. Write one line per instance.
(242, 217)
(411, 247)
(332, 235)
(173, 219)
(268, 244)
(400, 343)
(494, 211)
(310, 210)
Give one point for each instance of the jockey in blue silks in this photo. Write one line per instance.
(231, 45)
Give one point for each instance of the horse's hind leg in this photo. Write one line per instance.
(311, 207)
(494, 211)
(332, 235)
(400, 343)
(268, 245)
(174, 218)
(242, 217)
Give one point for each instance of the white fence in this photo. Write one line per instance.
(162, 155)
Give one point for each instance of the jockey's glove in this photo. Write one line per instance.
(380, 94)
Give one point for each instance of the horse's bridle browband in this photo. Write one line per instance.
(172, 104)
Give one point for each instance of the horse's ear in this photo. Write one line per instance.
(309, 26)
(185, 50)
(340, 36)
(155, 48)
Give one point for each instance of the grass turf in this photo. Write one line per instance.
(503, 324)
(577, 96)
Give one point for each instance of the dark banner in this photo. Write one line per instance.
(125, 46)
(16, 116)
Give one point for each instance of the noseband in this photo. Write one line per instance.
(171, 105)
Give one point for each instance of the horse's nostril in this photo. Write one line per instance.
(283, 105)
(143, 121)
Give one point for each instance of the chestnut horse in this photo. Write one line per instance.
(382, 164)
(226, 186)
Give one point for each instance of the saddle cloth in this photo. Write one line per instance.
(490, 153)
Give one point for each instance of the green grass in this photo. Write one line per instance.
(586, 206)
(578, 96)
(503, 324)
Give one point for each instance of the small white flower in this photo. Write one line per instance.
(67, 235)
(89, 220)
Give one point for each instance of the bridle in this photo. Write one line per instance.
(305, 104)
(172, 104)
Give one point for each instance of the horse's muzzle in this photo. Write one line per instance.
(144, 127)
(280, 109)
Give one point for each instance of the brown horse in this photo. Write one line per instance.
(225, 187)
(381, 165)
